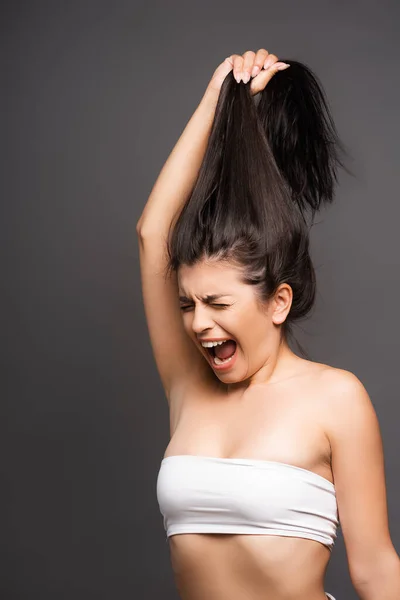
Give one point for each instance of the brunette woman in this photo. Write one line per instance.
(268, 448)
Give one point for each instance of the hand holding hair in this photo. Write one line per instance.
(260, 66)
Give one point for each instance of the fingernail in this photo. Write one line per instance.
(283, 67)
(237, 77)
(246, 77)
(255, 70)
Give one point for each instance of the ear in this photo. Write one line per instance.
(281, 303)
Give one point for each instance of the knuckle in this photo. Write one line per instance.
(249, 62)
(260, 60)
(270, 60)
(261, 57)
(248, 59)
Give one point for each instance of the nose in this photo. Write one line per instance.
(201, 320)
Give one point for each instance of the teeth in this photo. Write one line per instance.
(221, 361)
(211, 344)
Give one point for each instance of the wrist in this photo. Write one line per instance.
(210, 98)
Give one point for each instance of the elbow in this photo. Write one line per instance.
(139, 227)
(147, 230)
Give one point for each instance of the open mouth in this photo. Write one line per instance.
(223, 353)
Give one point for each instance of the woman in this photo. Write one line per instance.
(267, 448)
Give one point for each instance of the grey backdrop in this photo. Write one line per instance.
(95, 95)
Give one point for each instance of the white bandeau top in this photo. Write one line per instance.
(204, 494)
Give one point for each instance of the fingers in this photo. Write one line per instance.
(259, 61)
(260, 81)
(271, 59)
(237, 66)
(251, 64)
(247, 66)
(243, 65)
(248, 62)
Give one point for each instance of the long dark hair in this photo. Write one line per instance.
(267, 167)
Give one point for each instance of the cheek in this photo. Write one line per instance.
(253, 332)
(249, 322)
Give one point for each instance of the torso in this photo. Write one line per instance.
(284, 422)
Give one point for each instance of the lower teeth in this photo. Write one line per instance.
(221, 361)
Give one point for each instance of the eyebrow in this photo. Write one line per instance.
(206, 299)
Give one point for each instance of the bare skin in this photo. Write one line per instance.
(270, 405)
(284, 421)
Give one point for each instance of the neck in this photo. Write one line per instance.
(280, 365)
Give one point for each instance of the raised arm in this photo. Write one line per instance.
(178, 361)
(176, 357)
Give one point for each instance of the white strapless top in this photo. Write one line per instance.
(204, 494)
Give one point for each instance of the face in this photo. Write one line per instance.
(232, 313)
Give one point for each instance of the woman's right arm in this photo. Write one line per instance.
(178, 175)
(178, 360)
(176, 180)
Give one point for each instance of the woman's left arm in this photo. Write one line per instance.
(359, 477)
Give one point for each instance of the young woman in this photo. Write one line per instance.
(267, 448)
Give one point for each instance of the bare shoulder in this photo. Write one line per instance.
(358, 470)
(346, 403)
(324, 377)
(340, 384)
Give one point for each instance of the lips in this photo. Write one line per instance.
(214, 340)
(211, 350)
(225, 366)
(210, 354)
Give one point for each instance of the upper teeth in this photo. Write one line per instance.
(211, 344)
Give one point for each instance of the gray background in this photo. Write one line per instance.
(95, 95)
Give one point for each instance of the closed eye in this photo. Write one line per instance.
(219, 306)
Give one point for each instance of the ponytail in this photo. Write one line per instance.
(294, 113)
(264, 168)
